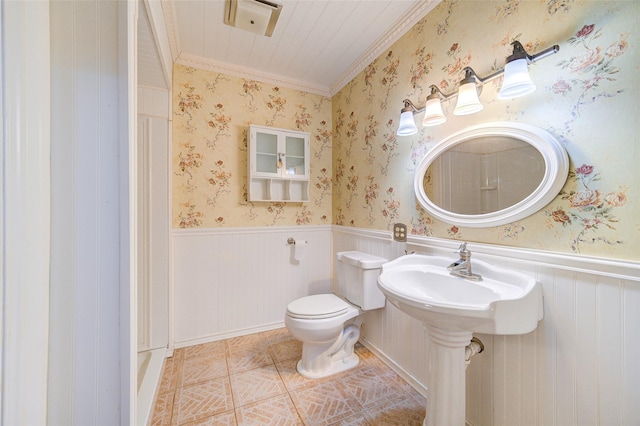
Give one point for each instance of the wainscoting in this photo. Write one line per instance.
(579, 367)
(234, 281)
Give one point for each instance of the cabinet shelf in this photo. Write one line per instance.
(279, 190)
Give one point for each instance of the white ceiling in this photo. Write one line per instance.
(318, 45)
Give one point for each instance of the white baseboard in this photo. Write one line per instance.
(395, 367)
(149, 386)
(229, 335)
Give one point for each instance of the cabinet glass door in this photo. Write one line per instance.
(295, 147)
(266, 153)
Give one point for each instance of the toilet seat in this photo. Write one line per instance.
(318, 306)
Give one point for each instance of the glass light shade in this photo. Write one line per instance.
(433, 114)
(407, 125)
(516, 80)
(468, 101)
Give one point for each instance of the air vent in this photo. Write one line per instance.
(256, 16)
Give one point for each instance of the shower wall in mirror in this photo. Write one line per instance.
(484, 176)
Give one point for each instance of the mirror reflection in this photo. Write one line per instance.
(484, 175)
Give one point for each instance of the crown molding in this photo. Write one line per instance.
(402, 25)
(172, 30)
(249, 73)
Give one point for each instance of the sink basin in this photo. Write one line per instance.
(504, 302)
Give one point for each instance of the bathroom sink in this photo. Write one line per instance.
(503, 302)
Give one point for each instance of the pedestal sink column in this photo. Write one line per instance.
(446, 377)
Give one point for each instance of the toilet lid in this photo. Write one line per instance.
(318, 306)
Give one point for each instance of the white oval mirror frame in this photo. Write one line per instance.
(555, 175)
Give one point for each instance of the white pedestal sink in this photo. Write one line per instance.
(452, 309)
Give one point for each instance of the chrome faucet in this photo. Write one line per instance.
(462, 266)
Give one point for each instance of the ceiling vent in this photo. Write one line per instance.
(257, 16)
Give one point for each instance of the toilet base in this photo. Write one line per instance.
(335, 368)
(320, 361)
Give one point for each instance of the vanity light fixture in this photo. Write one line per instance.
(516, 83)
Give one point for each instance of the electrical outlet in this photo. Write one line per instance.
(400, 232)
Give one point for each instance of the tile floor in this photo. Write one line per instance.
(252, 380)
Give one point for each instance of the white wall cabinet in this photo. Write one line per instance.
(278, 165)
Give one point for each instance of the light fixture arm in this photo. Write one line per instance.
(541, 55)
(520, 53)
(490, 77)
(409, 106)
(470, 76)
(435, 91)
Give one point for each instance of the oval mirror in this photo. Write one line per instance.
(491, 174)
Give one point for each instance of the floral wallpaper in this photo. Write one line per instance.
(211, 117)
(587, 96)
(362, 173)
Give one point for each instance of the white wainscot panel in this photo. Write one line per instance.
(576, 368)
(579, 367)
(236, 281)
(393, 335)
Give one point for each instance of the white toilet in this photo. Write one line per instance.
(327, 325)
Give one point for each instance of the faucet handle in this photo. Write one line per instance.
(462, 248)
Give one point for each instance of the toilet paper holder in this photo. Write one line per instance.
(292, 242)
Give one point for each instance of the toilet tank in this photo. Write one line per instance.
(357, 278)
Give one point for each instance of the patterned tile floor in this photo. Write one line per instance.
(252, 380)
